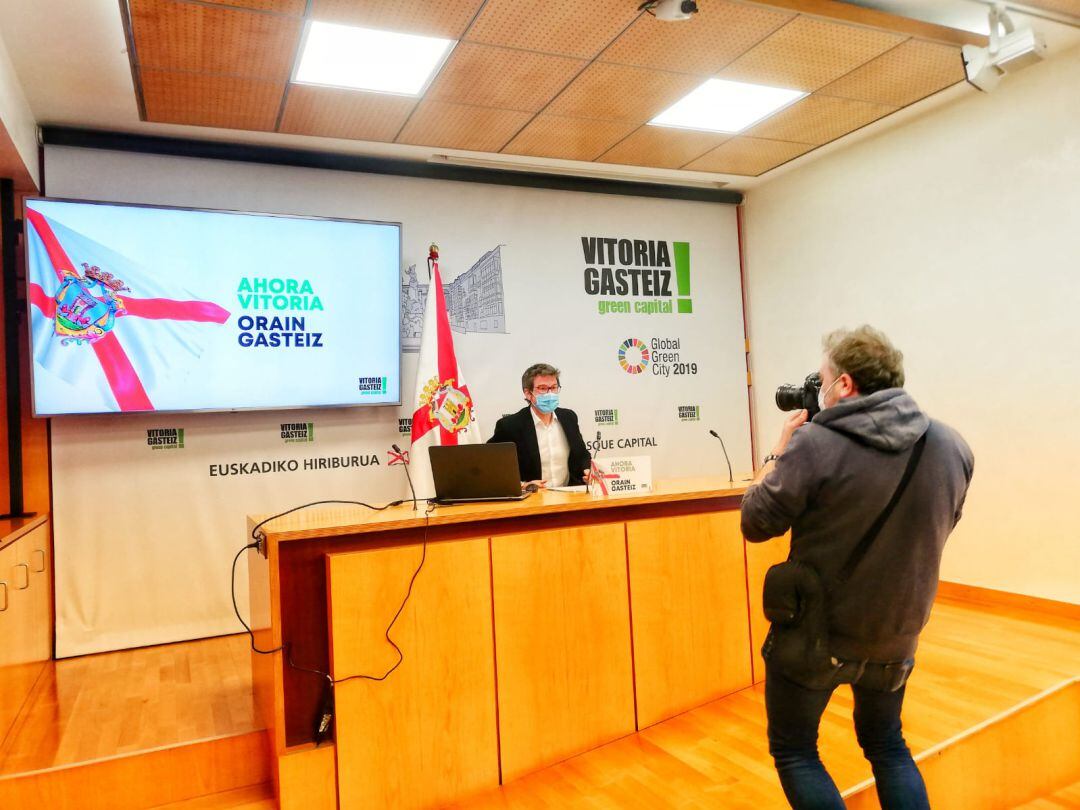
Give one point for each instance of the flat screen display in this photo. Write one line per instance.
(139, 308)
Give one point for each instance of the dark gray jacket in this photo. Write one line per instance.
(832, 481)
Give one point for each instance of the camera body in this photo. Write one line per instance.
(797, 397)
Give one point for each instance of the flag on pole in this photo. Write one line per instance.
(443, 409)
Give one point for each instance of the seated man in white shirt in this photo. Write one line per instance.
(549, 444)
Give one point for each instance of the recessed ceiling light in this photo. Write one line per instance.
(723, 106)
(367, 59)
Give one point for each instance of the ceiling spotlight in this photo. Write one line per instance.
(1006, 53)
(670, 9)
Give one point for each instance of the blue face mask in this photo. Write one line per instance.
(547, 403)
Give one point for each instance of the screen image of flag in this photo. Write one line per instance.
(444, 412)
(111, 329)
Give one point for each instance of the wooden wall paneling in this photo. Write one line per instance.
(460, 126)
(808, 53)
(25, 623)
(507, 78)
(759, 558)
(263, 616)
(427, 734)
(818, 119)
(307, 778)
(748, 156)
(201, 38)
(562, 643)
(567, 27)
(434, 18)
(902, 76)
(689, 612)
(716, 37)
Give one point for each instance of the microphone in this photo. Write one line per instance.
(408, 477)
(731, 477)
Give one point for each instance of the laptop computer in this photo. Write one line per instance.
(476, 472)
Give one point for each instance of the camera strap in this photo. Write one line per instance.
(864, 544)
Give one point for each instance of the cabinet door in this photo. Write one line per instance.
(691, 625)
(562, 643)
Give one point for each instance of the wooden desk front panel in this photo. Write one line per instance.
(426, 735)
(688, 600)
(562, 643)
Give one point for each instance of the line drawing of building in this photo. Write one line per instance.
(474, 300)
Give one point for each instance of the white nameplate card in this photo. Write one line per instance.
(622, 475)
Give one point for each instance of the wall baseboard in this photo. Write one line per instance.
(1015, 601)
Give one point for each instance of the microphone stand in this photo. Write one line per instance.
(592, 466)
(731, 476)
(408, 477)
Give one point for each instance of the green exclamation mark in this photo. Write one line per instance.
(180, 438)
(682, 276)
(311, 431)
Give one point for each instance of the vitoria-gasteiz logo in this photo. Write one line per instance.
(633, 356)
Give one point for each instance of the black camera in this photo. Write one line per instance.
(796, 397)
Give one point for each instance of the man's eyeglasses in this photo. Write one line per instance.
(547, 389)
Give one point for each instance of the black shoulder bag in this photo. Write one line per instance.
(794, 601)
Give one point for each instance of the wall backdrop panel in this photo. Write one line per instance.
(144, 537)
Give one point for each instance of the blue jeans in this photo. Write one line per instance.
(794, 714)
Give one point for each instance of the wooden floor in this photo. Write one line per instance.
(1065, 799)
(972, 664)
(97, 706)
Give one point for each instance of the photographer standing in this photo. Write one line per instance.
(871, 489)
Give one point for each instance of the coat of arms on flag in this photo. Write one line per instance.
(444, 410)
(114, 329)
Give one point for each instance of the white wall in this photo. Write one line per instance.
(144, 539)
(16, 116)
(958, 234)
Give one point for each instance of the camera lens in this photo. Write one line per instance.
(790, 397)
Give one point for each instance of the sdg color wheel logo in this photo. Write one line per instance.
(633, 356)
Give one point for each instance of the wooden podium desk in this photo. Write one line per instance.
(536, 630)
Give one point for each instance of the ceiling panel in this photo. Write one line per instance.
(748, 156)
(335, 113)
(554, 136)
(503, 77)
(172, 35)
(902, 76)
(460, 126)
(666, 147)
(808, 53)
(580, 28)
(434, 18)
(293, 7)
(622, 92)
(228, 102)
(819, 119)
(716, 36)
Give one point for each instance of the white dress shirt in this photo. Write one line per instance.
(554, 451)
